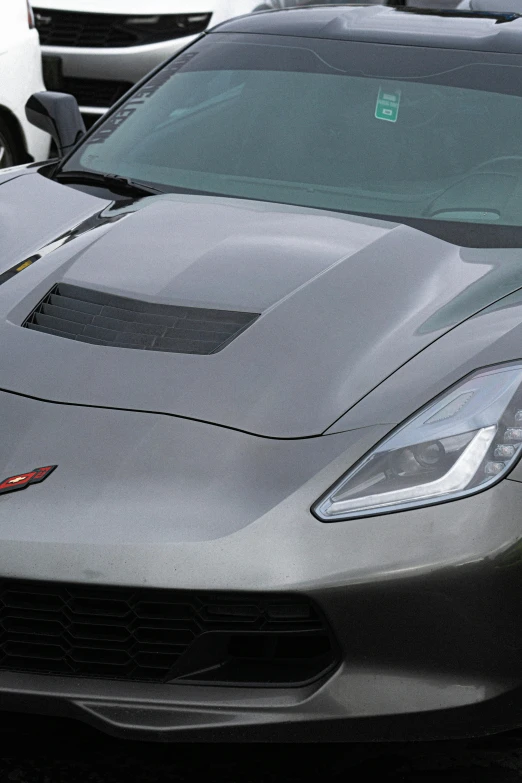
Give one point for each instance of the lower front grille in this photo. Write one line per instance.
(100, 93)
(103, 30)
(162, 636)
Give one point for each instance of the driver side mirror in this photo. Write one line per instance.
(58, 114)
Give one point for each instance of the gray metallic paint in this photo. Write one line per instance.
(206, 482)
(363, 322)
(345, 302)
(420, 602)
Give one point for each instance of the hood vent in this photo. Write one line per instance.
(103, 319)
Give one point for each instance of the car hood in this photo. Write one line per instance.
(343, 302)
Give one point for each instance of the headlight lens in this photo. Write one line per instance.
(465, 441)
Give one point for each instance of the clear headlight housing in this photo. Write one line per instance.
(466, 440)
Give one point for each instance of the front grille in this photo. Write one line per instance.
(103, 319)
(160, 635)
(101, 93)
(76, 28)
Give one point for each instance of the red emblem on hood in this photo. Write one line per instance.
(22, 480)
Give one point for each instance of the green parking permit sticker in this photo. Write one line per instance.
(387, 107)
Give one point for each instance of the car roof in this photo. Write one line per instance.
(482, 31)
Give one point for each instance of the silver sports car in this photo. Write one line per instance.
(261, 388)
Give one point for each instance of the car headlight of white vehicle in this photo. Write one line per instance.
(463, 442)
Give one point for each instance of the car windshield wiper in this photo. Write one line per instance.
(111, 181)
(131, 186)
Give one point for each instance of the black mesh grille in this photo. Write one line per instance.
(160, 635)
(72, 28)
(103, 319)
(101, 93)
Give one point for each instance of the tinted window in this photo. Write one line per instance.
(387, 130)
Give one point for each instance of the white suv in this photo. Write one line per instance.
(97, 49)
(20, 76)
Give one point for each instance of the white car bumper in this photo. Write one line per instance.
(20, 77)
(123, 66)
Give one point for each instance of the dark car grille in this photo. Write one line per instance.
(72, 28)
(101, 93)
(103, 319)
(160, 635)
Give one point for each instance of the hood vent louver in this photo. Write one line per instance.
(103, 319)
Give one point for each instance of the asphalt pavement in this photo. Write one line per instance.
(44, 750)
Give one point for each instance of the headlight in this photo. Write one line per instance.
(465, 441)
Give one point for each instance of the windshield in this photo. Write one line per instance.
(397, 131)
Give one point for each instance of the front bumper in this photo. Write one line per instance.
(424, 604)
(430, 634)
(411, 708)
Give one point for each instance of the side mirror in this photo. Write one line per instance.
(58, 114)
